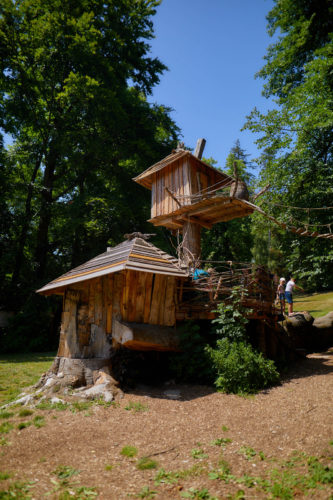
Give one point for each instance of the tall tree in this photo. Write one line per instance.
(296, 136)
(74, 81)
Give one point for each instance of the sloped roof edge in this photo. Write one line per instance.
(136, 254)
(143, 178)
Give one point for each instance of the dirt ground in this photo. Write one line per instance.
(179, 434)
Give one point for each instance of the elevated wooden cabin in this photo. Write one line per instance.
(186, 188)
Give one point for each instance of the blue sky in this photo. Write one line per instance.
(213, 49)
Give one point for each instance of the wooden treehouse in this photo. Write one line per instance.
(188, 194)
(135, 295)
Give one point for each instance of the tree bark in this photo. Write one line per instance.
(42, 245)
(26, 222)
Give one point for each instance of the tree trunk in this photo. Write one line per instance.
(25, 223)
(42, 245)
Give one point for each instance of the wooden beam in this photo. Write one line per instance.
(188, 218)
(208, 208)
(172, 196)
(201, 143)
(167, 220)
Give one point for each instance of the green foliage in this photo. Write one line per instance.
(6, 427)
(146, 492)
(202, 494)
(129, 451)
(65, 472)
(21, 370)
(38, 421)
(67, 177)
(248, 452)
(136, 407)
(4, 476)
(296, 142)
(172, 477)
(25, 412)
(23, 425)
(231, 240)
(6, 414)
(17, 490)
(198, 454)
(221, 442)
(47, 405)
(80, 406)
(231, 321)
(146, 463)
(240, 368)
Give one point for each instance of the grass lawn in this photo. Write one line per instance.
(21, 370)
(318, 304)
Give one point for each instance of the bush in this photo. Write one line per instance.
(240, 368)
(231, 321)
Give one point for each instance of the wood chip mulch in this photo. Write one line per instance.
(178, 435)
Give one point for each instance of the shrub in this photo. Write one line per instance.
(240, 368)
(231, 321)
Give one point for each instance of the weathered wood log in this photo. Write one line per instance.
(144, 337)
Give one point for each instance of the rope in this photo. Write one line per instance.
(300, 231)
(297, 208)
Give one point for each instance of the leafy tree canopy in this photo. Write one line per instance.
(296, 136)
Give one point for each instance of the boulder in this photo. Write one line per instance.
(323, 330)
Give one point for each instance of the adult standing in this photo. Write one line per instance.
(289, 293)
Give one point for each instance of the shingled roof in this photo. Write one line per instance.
(136, 254)
(145, 178)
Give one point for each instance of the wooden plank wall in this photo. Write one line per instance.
(131, 296)
(183, 178)
(148, 298)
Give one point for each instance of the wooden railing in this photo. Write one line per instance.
(255, 284)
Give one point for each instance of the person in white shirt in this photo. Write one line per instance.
(289, 294)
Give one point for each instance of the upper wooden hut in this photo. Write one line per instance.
(184, 187)
(188, 194)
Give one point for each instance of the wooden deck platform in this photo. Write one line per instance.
(212, 209)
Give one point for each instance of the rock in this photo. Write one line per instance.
(324, 322)
(323, 330)
(309, 333)
(55, 400)
(172, 394)
(97, 391)
(60, 375)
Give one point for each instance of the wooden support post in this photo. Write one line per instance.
(191, 230)
(191, 242)
(201, 143)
